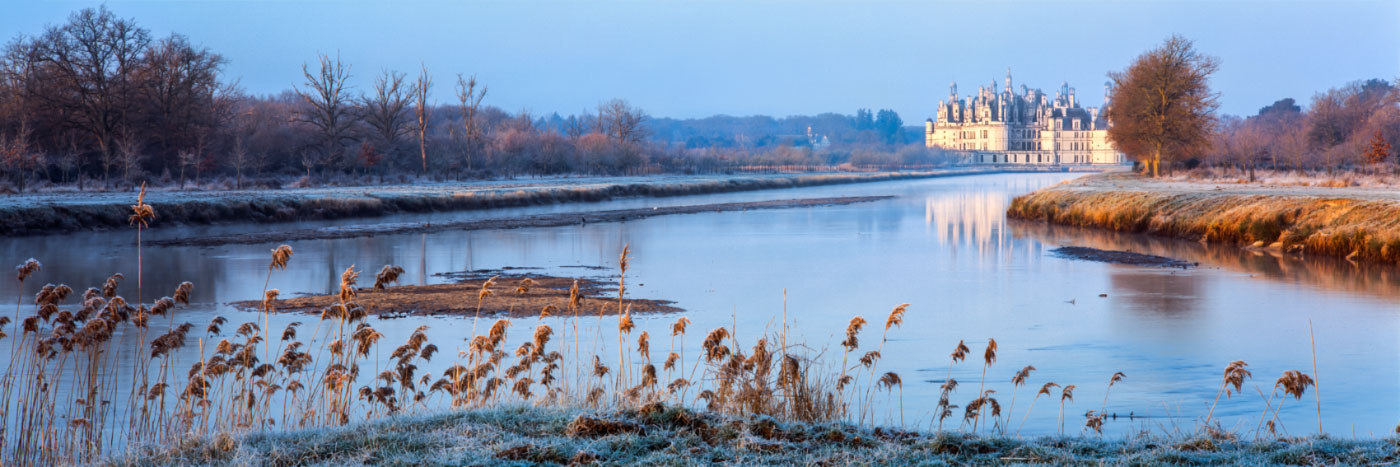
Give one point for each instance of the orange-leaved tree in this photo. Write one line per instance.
(1162, 107)
(1379, 150)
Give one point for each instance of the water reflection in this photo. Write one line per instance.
(1323, 273)
(1168, 293)
(942, 245)
(968, 218)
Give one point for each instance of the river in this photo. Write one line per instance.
(942, 245)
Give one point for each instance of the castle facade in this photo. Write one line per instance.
(1025, 127)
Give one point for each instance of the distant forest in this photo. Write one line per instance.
(97, 102)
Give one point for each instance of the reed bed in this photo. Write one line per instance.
(66, 396)
(1351, 224)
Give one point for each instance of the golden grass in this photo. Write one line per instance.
(1343, 224)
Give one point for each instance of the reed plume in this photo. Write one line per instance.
(988, 357)
(888, 381)
(1117, 376)
(677, 331)
(141, 215)
(387, 275)
(1094, 421)
(1066, 394)
(1018, 380)
(481, 294)
(1235, 374)
(850, 344)
(1293, 383)
(1044, 390)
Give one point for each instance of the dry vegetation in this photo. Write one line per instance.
(1362, 225)
(656, 434)
(1376, 177)
(87, 381)
(56, 213)
(522, 296)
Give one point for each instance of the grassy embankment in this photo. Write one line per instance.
(67, 212)
(1354, 223)
(666, 435)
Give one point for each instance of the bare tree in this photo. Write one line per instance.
(93, 58)
(181, 95)
(386, 111)
(1162, 106)
(468, 101)
(186, 160)
(623, 122)
(421, 87)
(19, 156)
(240, 158)
(573, 127)
(129, 151)
(328, 105)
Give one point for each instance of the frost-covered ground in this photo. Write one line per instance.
(1183, 184)
(1371, 177)
(62, 212)
(659, 435)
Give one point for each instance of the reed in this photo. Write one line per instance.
(1066, 394)
(1235, 374)
(945, 408)
(989, 356)
(1044, 390)
(1117, 376)
(1018, 380)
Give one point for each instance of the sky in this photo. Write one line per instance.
(699, 58)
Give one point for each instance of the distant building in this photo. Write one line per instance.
(1028, 127)
(817, 141)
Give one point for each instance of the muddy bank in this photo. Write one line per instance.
(511, 296)
(1352, 223)
(1119, 257)
(538, 220)
(33, 214)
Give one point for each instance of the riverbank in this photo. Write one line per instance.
(512, 222)
(36, 214)
(661, 435)
(1360, 224)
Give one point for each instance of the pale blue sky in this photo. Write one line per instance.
(697, 58)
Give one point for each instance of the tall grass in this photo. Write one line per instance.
(1348, 225)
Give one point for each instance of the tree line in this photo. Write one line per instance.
(1349, 127)
(98, 102)
(1162, 114)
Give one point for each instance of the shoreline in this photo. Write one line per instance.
(515, 222)
(1357, 224)
(43, 214)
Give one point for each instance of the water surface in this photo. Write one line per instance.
(942, 245)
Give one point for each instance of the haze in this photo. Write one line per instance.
(775, 58)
